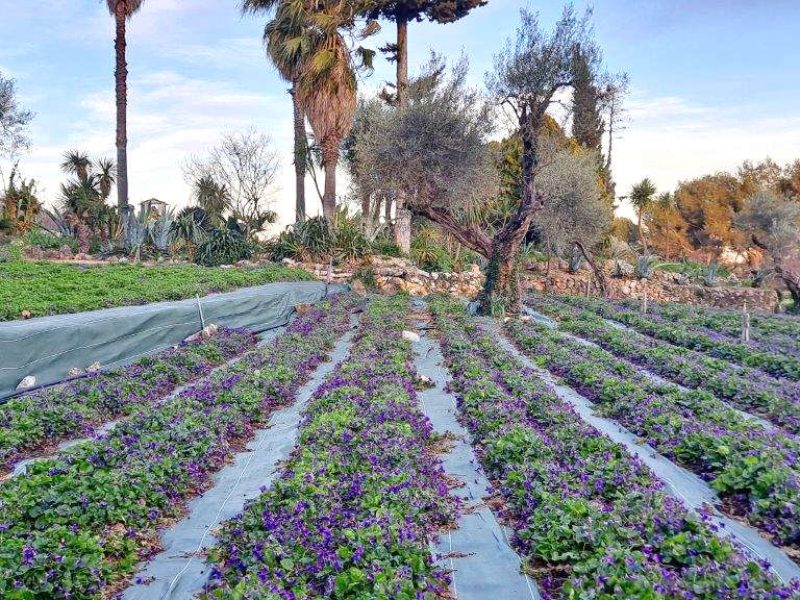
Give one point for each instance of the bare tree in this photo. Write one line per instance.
(528, 76)
(774, 226)
(14, 120)
(245, 165)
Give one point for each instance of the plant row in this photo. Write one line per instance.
(592, 521)
(38, 421)
(778, 364)
(76, 525)
(747, 389)
(770, 332)
(754, 470)
(353, 511)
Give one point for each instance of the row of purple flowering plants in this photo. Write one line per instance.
(747, 389)
(590, 520)
(36, 422)
(75, 526)
(779, 333)
(754, 470)
(356, 505)
(776, 363)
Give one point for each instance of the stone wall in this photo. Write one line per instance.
(393, 275)
(665, 288)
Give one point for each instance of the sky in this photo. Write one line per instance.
(713, 82)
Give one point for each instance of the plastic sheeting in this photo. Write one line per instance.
(180, 571)
(693, 491)
(49, 347)
(478, 553)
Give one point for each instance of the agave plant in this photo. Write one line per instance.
(645, 264)
(134, 232)
(160, 232)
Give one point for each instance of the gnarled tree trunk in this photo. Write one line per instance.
(502, 287)
(121, 76)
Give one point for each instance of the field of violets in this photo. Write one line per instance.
(357, 505)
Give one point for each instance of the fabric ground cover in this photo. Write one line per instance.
(36, 422)
(355, 506)
(75, 526)
(778, 364)
(46, 288)
(747, 389)
(755, 471)
(592, 520)
(776, 333)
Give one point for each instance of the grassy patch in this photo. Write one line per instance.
(55, 288)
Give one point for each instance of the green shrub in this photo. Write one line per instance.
(49, 241)
(428, 251)
(315, 239)
(383, 246)
(223, 247)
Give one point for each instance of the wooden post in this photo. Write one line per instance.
(745, 323)
(644, 303)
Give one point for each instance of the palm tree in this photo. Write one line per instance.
(328, 93)
(106, 176)
(213, 198)
(122, 10)
(641, 197)
(78, 163)
(289, 41)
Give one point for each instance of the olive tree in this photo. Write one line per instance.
(434, 152)
(773, 224)
(528, 78)
(576, 216)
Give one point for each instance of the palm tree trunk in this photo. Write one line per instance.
(121, 76)
(641, 233)
(329, 197)
(402, 226)
(300, 158)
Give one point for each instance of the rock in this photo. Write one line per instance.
(425, 381)
(94, 367)
(74, 372)
(359, 288)
(289, 262)
(411, 336)
(35, 253)
(83, 256)
(123, 260)
(65, 251)
(26, 314)
(205, 333)
(302, 309)
(27, 383)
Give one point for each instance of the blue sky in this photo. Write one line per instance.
(714, 82)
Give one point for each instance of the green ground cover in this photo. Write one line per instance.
(55, 288)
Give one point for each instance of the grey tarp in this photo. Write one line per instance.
(49, 347)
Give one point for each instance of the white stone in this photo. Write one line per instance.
(27, 383)
(94, 367)
(411, 336)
